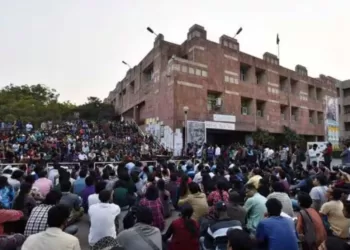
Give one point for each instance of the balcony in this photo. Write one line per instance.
(346, 100)
(346, 118)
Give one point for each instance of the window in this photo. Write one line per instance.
(204, 73)
(346, 109)
(319, 117)
(318, 94)
(338, 92)
(293, 86)
(311, 116)
(245, 105)
(198, 72)
(184, 68)
(283, 82)
(346, 92)
(191, 70)
(260, 76)
(347, 126)
(295, 113)
(311, 92)
(284, 112)
(212, 101)
(260, 107)
(227, 79)
(148, 73)
(132, 87)
(225, 43)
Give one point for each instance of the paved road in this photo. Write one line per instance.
(84, 223)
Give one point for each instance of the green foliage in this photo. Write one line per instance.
(34, 103)
(262, 137)
(39, 103)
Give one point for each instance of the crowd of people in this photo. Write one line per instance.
(241, 200)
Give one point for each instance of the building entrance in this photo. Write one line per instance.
(225, 137)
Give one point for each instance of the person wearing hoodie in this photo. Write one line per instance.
(197, 200)
(142, 235)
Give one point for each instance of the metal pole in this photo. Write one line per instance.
(185, 131)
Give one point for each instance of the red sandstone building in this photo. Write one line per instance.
(226, 93)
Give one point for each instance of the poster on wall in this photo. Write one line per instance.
(196, 132)
(332, 121)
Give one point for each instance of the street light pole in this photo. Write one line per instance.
(151, 31)
(185, 109)
(238, 31)
(126, 64)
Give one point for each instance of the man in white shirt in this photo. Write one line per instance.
(82, 157)
(53, 237)
(313, 154)
(93, 198)
(29, 127)
(103, 218)
(217, 151)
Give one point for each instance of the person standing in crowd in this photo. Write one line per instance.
(79, 185)
(318, 192)
(184, 231)
(142, 235)
(93, 198)
(88, 190)
(103, 218)
(276, 232)
(327, 155)
(53, 237)
(197, 200)
(279, 194)
(217, 152)
(333, 216)
(152, 201)
(255, 207)
(239, 240)
(234, 210)
(43, 184)
(309, 224)
(7, 193)
(216, 235)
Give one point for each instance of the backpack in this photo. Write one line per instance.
(309, 230)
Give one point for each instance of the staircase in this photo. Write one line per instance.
(155, 145)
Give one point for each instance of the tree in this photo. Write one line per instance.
(95, 109)
(262, 137)
(35, 103)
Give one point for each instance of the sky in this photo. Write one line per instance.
(77, 46)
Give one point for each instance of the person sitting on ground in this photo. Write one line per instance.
(164, 197)
(7, 193)
(152, 201)
(103, 218)
(43, 183)
(197, 200)
(7, 217)
(53, 237)
(10, 242)
(216, 235)
(88, 190)
(172, 186)
(318, 192)
(255, 207)
(276, 232)
(93, 198)
(35, 192)
(79, 185)
(309, 223)
(15, 179)
(184, 231)
(218, 195)
(280, 194)
(142, 235)
(333, 216)
(72, 201)
(239, 240)
(234, 210)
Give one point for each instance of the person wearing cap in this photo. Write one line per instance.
(142, 235)
(216, 235)
(276, 232)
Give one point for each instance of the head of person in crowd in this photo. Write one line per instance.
(183, 185)
(152, 193)
(278, 187)
(29, 179)
(194, 188)
(334, 194)
(42, 174)
(105, 196)
(319, 180)
(17, 175)
(234, 198)
(58, 216)
(89, 181)
(99, 186)
(274, 207)
(161, 185)
(250, 190)
(239, 240)
(52, 198)
(186, 214)
(221, 210)
(83, 173)
(66, 186)
(304, 200)
(143, 215)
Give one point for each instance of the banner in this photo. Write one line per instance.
(196, 132)
(332, 121)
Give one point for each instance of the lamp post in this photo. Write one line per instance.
(185, 109)
(238, 31)
(126, 64)
(151, 31)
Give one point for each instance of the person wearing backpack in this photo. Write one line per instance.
(310, 225)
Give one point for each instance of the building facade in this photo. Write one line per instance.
(343, 93)
(220, 93)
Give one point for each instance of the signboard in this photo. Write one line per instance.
(332, 121)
